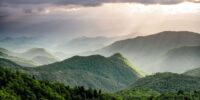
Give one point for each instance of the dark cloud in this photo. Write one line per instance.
(91, 2)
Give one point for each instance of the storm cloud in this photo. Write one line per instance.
(92, 2)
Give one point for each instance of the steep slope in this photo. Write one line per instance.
(146, 50)
(43, 60)
(109, 74)
(168, 82)
(179, 60)
(194, 72)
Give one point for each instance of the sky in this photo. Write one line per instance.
(65, 19)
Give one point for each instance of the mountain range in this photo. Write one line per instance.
(107, 73)
(146, 51)
(163, 52)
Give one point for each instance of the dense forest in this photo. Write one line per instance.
(179, 95)
(15, 85)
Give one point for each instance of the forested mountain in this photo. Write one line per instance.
(163, 86)
(168, 82)
(179, 60)
(146, 50)
(19, 86)
(99, 72)
(160, 86)
(109, 74)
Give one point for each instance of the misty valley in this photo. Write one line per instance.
(160, 66)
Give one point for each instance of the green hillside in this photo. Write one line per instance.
(109, 74)
(168, 82)
(19, 86)
(163, 86)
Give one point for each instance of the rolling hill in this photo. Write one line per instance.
(109, 74)
(146, 50)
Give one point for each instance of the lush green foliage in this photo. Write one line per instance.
(163, 86)
(148, 94)
(168, 82)
(19, 86)
(137, 93)
(180, 95)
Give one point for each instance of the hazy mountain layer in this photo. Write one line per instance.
(35, 52)
(179, 60)
(84, 44)
(43, 60)
(146, 50)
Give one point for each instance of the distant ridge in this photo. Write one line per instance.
(145, 51)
